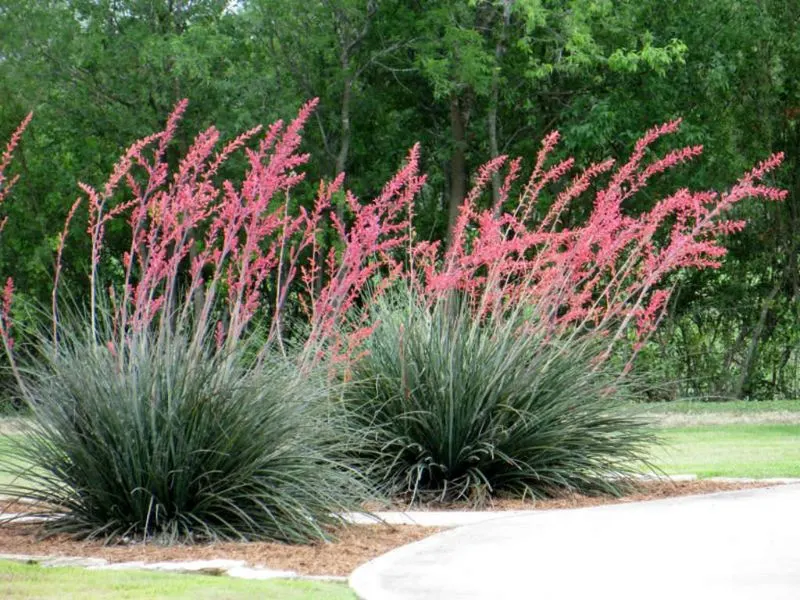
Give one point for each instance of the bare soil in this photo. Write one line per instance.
(355, 544)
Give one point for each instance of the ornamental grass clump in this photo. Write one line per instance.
(449, 407)
(168, 444)
(520, 314)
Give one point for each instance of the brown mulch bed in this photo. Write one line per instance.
(17, 507)
(355, 545)
(648, 490)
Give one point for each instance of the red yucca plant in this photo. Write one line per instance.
(205, 251)
(445, 403)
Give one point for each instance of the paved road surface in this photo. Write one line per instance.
(730, 546)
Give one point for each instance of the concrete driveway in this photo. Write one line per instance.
(730, 546)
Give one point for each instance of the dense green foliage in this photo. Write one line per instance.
(169, 444)
(449, 407)
(470, 80)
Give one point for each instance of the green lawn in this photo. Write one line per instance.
(6, 475)
(63, 583)
(5, 445)
(732, 450)
(737, 407)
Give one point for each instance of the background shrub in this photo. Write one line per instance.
(450, 408)
(163, 443)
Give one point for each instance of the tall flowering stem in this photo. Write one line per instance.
(204, 251)
(206, 254)
(610, 272)
(371, 259)
(6, 184)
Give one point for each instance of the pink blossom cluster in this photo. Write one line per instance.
(215, 253)
(608, 273)
(208, 254)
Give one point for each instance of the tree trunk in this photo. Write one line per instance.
(752, 349)
(494, 149)
(341, 156)
(458, 163)
(344, 125)
(494, 146)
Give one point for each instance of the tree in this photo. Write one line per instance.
(99, 74)
(465, 56)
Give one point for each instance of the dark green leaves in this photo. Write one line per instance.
(170, 445)
(451, 409)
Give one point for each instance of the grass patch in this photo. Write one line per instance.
(6, 474)
(13, 425)
(65, 583)
(732, 451)
(735, 407)
(5, 446)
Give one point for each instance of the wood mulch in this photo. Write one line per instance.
(354, 546)
(7, 507)
(646, 490)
